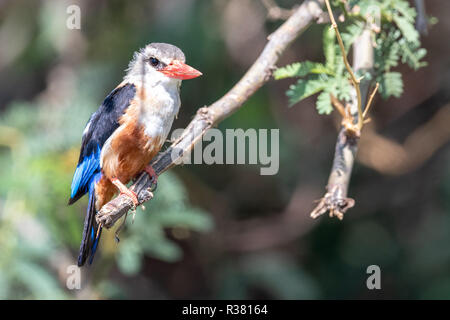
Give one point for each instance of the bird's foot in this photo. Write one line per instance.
(124, 190)
(153, 177)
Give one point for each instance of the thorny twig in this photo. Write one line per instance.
(350, 124)
(335, 199)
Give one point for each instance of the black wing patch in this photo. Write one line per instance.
(99, 128)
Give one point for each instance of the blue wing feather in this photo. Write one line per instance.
(84, 172)
(100, 127)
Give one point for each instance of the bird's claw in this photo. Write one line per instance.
(132, 195)
(153, 177)
(125, 191)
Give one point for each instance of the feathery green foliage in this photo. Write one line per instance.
(397, 41)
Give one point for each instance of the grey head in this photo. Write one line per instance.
(155, 55)
(164, 52)
(158, 61)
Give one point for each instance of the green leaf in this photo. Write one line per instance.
(343, 89)
(390, 59)
(407, 28)
(391, 84)
(412, 55)
(323, 103)
(329, 47)
(304, 88)
(367, 7)
(300, 69)
(409, 13)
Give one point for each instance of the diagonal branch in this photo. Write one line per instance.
(207, 117)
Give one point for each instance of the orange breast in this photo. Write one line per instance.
(126, 153)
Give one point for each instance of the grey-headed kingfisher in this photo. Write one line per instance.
(127, 131)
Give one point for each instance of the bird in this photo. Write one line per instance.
(126, 132)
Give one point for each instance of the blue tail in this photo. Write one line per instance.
(91, 231)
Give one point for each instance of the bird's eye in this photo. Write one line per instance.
(153, 61)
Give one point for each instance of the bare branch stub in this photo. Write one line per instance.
(335, 199)
(258, 74)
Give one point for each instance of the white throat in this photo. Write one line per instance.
(160, 102)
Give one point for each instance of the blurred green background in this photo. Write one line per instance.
(218, 231)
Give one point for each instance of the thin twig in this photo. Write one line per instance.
(206, 117)
(355, 81)
(369, 103)
(338, 105)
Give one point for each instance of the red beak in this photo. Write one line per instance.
(180, 70)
